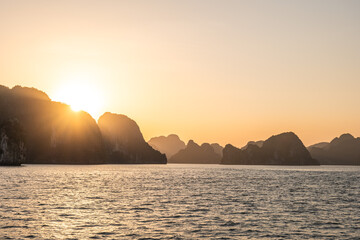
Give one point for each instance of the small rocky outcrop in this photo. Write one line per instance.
(12, 145)
(343, 150)
(125, 143)
(282, 149)
(169, 145)
(193, 153)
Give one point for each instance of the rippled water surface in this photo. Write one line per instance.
(179, 202)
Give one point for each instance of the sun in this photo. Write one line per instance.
(81, 95)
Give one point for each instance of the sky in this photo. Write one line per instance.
(211, 71)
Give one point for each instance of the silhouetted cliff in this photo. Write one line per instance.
(193, 153)
(282, 149)
(124, 141)
(12, 143)
(168, 145)
(53, 132)
(344, 150)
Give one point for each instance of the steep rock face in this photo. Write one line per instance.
(53, 132)
(76, 138)
(343, 150)
(12, 145)
(193, 153)
(125, 143)
(282, 149)
(169, 145)
(287, 149)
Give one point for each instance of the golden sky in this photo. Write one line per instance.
(212, 71)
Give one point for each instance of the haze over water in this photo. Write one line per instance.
(179, 202)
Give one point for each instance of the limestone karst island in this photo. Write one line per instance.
(36, 130)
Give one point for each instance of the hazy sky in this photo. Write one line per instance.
(212, 71)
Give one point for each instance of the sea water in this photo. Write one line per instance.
(179, 202)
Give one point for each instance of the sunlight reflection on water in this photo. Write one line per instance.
(179, 202)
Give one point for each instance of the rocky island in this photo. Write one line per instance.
(193, 153)
(343, 150)
(169, 145)
(54, 134)
(282, 149)
(124, 142)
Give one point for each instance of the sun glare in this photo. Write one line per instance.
(81, 96)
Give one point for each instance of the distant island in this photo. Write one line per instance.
(124, 142)
(343, 150)
(177, 152)
(36, 130)
(282, 149)
(169, 145)
(193, 153)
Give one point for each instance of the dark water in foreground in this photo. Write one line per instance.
(179, 202)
